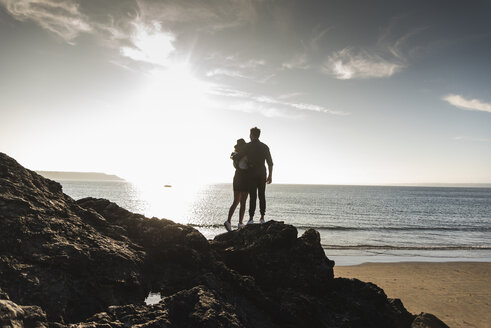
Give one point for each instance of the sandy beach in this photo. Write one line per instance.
(459, 293)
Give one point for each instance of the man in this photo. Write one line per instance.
(257, 153)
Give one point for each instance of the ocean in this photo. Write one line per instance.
(357, 223)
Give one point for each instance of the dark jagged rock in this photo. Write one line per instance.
(174, 254)
(158, 236)
(195, 307)
(275, 257)
(428, 320)
(93, 262)
(51, 257)
(13, 315)
(297, 276)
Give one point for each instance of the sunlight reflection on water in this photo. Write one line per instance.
(182, 204)
(173, 203)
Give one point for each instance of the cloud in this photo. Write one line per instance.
(236, 73)
(137, 40)
(465, 138)
(263, 109)
(299, 61)
(143, 30)
(467, 104)
(150, 44)
(235, 66)
(346, 64)
(252, 63)
(226, 72)
(291, 95)
(385, 58)
(209, 16)
(60, 17)
(305, 57)
(319, 35)
(69, 18)
(388, 56)
(261, 103)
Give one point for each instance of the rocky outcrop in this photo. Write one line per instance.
(173, 254)
(13, 315)
(90, 263)
(275, 257)
(52, 256)
(427, 320)
(195, 307)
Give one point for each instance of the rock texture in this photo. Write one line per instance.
(13, 315)
(51, 254)
(428, 320)
(90, 263)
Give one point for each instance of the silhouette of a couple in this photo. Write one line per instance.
(250, 177)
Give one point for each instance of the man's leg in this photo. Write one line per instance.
(253, 197)
(262, 196)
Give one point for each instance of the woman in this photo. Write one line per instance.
(240, 185)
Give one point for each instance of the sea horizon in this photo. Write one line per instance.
(117, 178)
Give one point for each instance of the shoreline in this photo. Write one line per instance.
(357, 257)
(451, 261)
(457, 292)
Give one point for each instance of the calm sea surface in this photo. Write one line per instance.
(357, 223)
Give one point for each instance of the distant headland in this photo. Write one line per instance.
(85, 176)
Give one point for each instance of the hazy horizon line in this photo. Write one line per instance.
(394, 184)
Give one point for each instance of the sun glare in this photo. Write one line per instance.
(171, 85)
(169, 115)
(150, 44)
(175, 88)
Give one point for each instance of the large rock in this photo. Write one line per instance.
(275, 257)
(295, 274)
(174, 254)
(51, 257)
(13, 315)
(195, 307)
(71, 260)
(93, 262)
(427, 320)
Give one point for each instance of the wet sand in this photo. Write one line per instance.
(459, 293)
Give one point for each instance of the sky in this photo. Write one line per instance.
(345, 92)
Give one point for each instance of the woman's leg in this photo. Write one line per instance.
(234, 205)
(243, 199)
